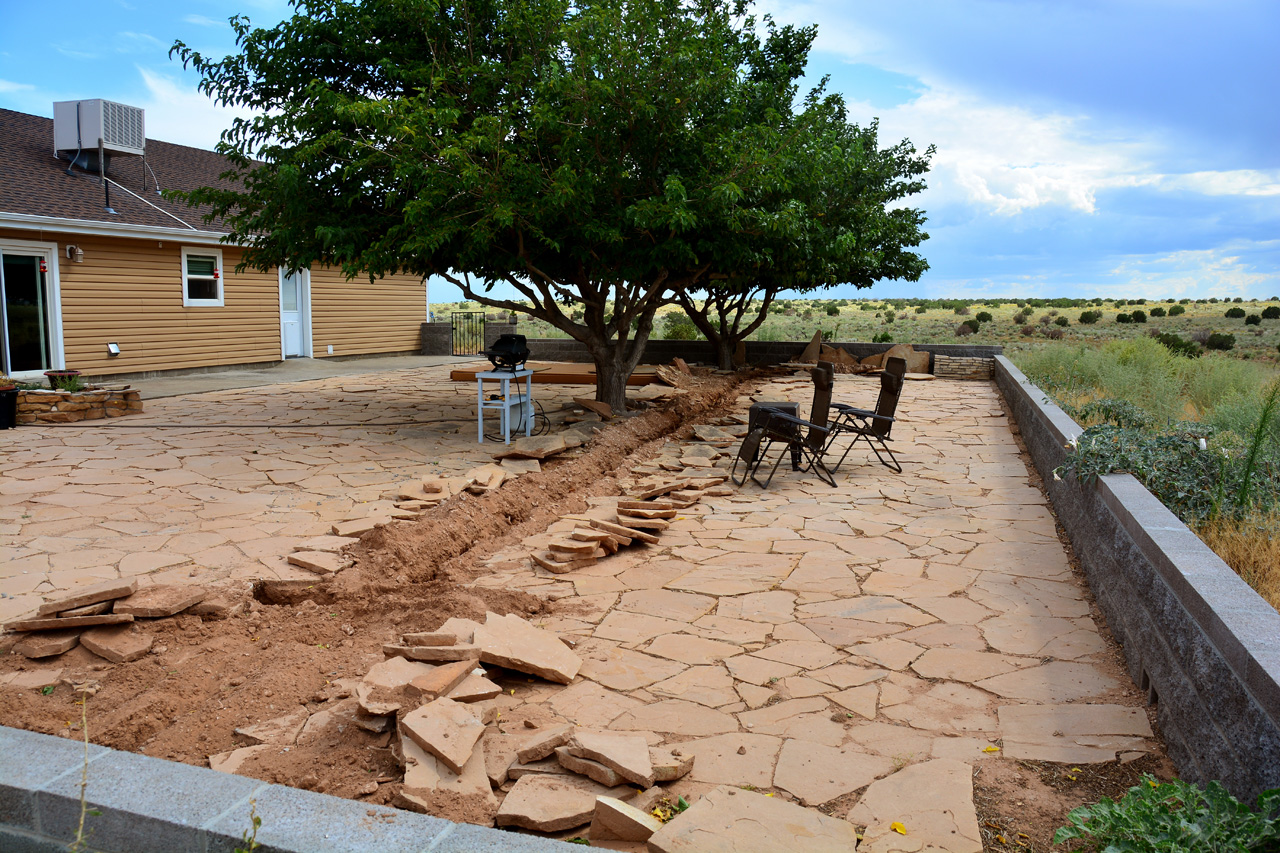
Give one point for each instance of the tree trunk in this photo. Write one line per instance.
(725, 347)
(614, 361)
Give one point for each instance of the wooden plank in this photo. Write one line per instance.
(560, 373)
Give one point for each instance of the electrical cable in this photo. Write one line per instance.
(119, 425)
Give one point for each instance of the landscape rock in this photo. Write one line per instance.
(434, 654)
(474, 688)
(320, 562)
(32, 679)
(47, 644)
(547, 803)
(90, 595)
(230, 761)
(668, 766)
(446, 729)
(117, 643)
(933, 801)
(626, 754)
(593, 770)
(441, 679)
(88, 610)
(616, 820)
(425, 773)
(533, 447)
(430, 638)
(511, 642)
(54, 623)
(730, 820)
(156, 602)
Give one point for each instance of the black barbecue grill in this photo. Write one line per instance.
(509, 352)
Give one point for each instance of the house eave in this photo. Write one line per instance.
(93, 228)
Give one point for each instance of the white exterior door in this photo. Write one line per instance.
(30, 319)
(295, 331)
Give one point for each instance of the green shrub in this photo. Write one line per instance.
(1027, 331)
(1271, 312)
(1234, 313)
(962, 310)
(1062, 321)
(973, 325)
(678, 327)
(1139, 316)
(1090, 317)
(890, 316)
(964, 329)
(1238, 299)
(1178, 345)
(1123, 318)
(1020, 318)
(1253, 320)
(1158, 311)
(833, 310)
(920, 309)
(983, 317)
(1175, 310)
(1176, 817)
(882, 338)
(1221, 341)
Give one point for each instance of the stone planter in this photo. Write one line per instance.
(57, 376)
(64, 407)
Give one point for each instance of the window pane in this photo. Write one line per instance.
(289, 293)
(201, 265)
(202, 288)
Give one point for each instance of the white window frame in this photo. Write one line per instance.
(187, 302)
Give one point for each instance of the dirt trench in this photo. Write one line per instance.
(290, 647)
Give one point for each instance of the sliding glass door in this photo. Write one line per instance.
(28, 311)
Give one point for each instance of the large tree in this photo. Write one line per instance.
(593, 151)
(832, 214)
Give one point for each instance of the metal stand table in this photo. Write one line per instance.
(506, 401)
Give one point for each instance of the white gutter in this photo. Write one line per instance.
(91, 227)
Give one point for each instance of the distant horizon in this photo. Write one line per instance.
(1123, 149)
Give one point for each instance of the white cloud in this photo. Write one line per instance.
(201, 21)
(130, 42)
(1221, 271)
(177, 112)
(1239, 182)
(7, 86)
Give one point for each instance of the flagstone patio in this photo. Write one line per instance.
(223, 484)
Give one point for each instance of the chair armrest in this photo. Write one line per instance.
(792, 419)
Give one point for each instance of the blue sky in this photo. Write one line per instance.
(1126, 148)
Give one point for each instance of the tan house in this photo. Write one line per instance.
(100, 273)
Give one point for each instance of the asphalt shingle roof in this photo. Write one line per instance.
(35, 182)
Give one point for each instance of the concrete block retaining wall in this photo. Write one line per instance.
(152, 806)
(1203, 645)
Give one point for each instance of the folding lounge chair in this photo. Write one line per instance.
(873, 427)
(808, 439)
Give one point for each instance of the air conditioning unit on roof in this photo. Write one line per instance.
(78, 125)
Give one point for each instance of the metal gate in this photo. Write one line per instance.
(468, 332)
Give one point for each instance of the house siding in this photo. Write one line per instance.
(129, 291)
(360, 317)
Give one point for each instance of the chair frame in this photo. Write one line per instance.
(783, 428)
(873, 427)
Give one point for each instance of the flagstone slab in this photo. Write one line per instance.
(1073, 733)
(1052, 683)
(628, 755)
(730, 630)
(664, 603)
(588, 704)
(89, 595)
(774, 606)
(155, 602)
(692, 650)
(896, 741)
(759, 671)
(945, 708)
(736, 574)
(845, 675)
(281, 730)
(551, 803)
(963, 665)
(676, 716)
(845, 632)
(616, 820)
(626, 669)
(707, 685)
(47, 644)
(446, 729)
(868, 608)
(807, 656)
(942, 635)
(816, 774)
(635, 628)
(1042, 636)
(833, 578)
(117, 643)
(862, 701)
(511, 642)
(731, 820)
(890, 653)
(1047, 561)
(932, 802)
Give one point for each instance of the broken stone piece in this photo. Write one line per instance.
(731, 820)
(548, 562)
(116, 643)
(47, 644)
(667, 766)
(358, 527)
(543, 743)
(281, 730)
(546, 803)
(55, 624)
(626, 754)
(88, 610)
(533, 447)
(542, 766)
(933, 799)
(441, 679)
(446, 729)
(229, 762)
(90, 595)
(474, 688)
(628, 532)
(593, 770)
(424, 773)
(511, 642)
(615, 820)
(430, 638)
(156, 602)
(35, 679)
(320, 562)
(434, 654)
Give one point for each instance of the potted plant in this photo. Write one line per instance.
(64, 380)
